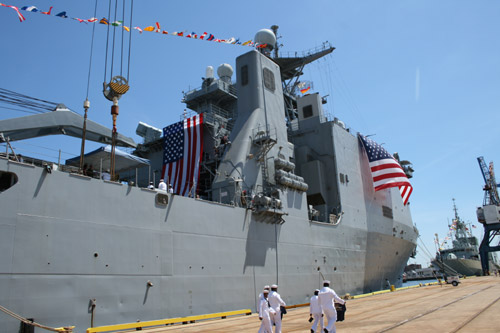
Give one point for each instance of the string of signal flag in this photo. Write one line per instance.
(154, 28)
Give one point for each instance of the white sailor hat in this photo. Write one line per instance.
(265, 291)
(274, 286)
(326, 282)
(266, 287)
(316, 290)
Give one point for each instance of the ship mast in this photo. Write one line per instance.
(461, 232)
(291, 68)
(274, 28)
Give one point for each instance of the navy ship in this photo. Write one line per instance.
(462, 258)
(283, 194)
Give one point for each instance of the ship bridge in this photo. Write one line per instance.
(216, 98)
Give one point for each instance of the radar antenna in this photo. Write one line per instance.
(291, 66)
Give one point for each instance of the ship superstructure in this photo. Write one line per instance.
(284, 195)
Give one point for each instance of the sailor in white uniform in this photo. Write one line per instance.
(316, 312)
(265, 313)
(327, 298)
(261, 297)
(276, 302)
(162, 186)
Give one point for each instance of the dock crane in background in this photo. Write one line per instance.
(490, 187)
(489, 214)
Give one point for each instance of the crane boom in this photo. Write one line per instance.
(490, 187)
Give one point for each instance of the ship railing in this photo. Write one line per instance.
(212, 114)
(33, 161)
(324, 46)
(47, 164)
(225, 86)
(294, 126)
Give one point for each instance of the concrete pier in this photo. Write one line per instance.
(472, 306)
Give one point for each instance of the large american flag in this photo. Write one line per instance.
(386, 171)
(183, 147)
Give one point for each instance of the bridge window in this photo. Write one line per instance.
(307, 111)
(244, 75)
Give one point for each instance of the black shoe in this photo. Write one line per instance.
(312, 331)
(325, 330)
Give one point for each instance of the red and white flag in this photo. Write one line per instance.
(183, 148)
(386, 171)
(21, 17)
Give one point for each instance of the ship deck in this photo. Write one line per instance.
(472, 306)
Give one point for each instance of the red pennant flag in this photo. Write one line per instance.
(21, 17)
(47, 13)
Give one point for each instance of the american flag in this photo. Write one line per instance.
(183, 148)
(386, 171)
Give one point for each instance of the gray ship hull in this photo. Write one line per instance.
(463, 266)
(288, 202)
(66, 239)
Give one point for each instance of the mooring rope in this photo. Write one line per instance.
(68, 329)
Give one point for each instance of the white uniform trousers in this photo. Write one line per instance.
(331, 315)
(317, 318)
(266, 325)
(276, 319)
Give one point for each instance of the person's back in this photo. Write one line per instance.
(275, 300)
(106, 175)
(315, 305)
(326, 296)
(316, 312)
(276, 303)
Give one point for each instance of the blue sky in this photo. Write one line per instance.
(423, 76)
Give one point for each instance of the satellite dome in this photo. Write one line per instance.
(266, 36)
(225, 71)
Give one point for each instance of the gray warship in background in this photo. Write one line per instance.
(463, 257)
(285, 195)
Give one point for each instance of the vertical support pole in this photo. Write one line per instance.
(490, 231)
(100, 169)
(276, 240)
(114, 113)
(86, 106)
(483, 251)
